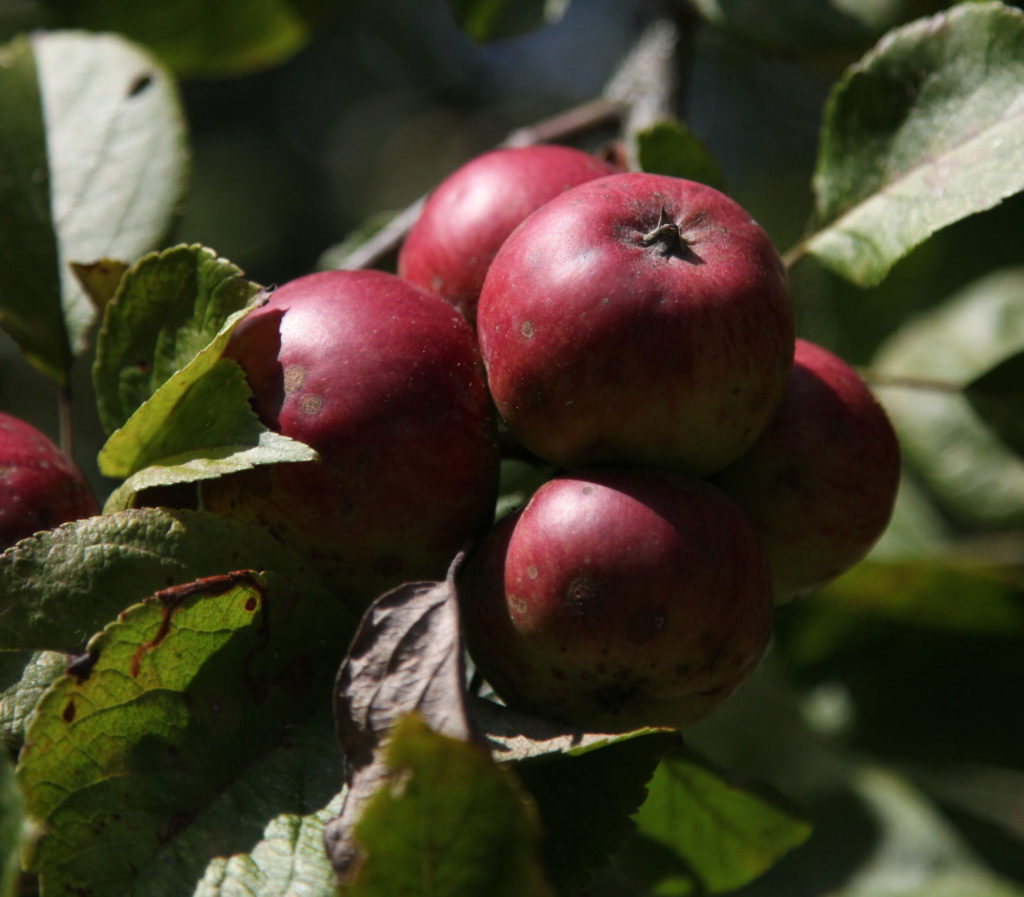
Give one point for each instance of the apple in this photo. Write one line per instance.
(469, 214)
(821, 481)
(40, 487)
(384, 380)
(618, 599)
(637, 319)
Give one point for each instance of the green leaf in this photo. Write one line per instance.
(59, 587)
(487, 20)
(450, 823)
(585, 800)
(699, 825)
(290, 860)
(36, 672)
(11, 825)
(193, 430)
(168, 309)
(118, 154)
(920, 373)
(141, 759)
(941, 594)
(30, 307)
(803, 25)
(998, 398)
(669, 147)
(203, 39)
(926, 129)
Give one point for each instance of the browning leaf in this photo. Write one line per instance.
(406, 657)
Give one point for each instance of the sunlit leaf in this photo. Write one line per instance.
(288, 861)
(118, 154)
(30, 307)
(926, 129)
(168, 309)
(193, 430)
(450, 822)
(700, 825)
(145, 760)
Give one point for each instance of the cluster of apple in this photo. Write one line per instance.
(635, 332)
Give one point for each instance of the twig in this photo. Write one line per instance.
(898, 381)
(646, 87)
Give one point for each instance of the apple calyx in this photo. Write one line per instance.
(667, 237)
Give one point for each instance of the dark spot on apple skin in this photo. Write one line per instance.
(583, 599)
(252, 604)
(646, 625)
(612, 698)
(68, 713)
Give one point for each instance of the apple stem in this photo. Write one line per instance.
(667, 237)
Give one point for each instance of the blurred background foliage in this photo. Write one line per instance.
(914, 660)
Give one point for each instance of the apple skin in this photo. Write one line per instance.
(40, 487)
(821, 481)
(618, 599)
(471, 212)
(384, 380)
(614, 335)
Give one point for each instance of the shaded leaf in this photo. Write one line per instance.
(146, 747)
(450, 823)
(998, 397)
(919, 374)
(487, 20)
(586, 801)
(669, 147)
(803, 25)
(701, 825)
(198, 425)
(118, 154)
(406, 657)
(30, 307)
(197, 38)
(926, 129)
(169, 308)
(59, 587)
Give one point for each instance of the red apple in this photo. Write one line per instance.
(384, 380)
(40, 487)
(637, 319)
(618, 599)
(821, 480)
(469, 214)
